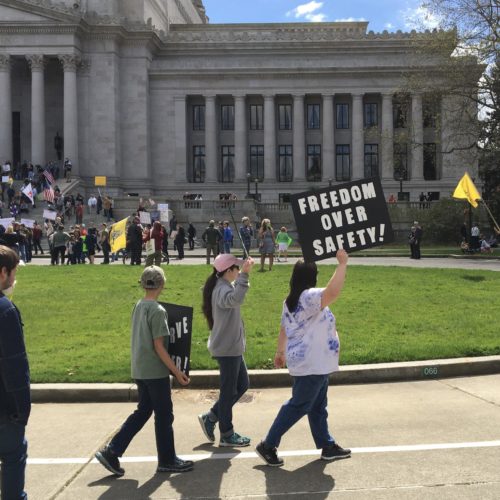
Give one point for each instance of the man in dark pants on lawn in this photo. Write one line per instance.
(134, 242)
(211, 238)
(418, 238)
(15, 400)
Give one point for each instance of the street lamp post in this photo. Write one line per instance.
(248, 183)
(330, 182)
(400, 177)
(256, 189)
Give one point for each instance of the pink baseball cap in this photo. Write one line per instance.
(224, 261)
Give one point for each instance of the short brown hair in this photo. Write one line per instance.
(8, 258)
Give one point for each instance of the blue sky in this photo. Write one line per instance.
(391, 15)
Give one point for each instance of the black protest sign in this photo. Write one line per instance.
(352, 216)
(180, 324)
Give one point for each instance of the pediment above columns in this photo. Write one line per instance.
(36, 11)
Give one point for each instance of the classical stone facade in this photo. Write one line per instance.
(149, 94)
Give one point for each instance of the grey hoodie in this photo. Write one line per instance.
(228, 333)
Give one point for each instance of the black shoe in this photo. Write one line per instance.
(269, 455)
(334, 452)
(109, 460)
(179, 465)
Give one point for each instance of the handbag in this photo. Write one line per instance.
(150, 247)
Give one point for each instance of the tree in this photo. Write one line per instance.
(467, 45)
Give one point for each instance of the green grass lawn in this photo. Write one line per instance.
(76, 318)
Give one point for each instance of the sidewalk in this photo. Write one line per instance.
(197, 257)
(432, 439)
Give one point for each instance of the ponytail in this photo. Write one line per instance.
(208, 289)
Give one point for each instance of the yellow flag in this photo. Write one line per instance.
(117, 236)
(466, 190)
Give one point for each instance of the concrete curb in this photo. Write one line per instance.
(209, 379)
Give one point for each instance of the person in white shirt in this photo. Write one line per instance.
(92, 204)
(309, 344)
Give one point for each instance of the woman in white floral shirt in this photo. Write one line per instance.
(309, 344)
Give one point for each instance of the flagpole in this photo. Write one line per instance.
(497, 227)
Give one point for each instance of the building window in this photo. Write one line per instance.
(257, 162)
(313, 162)
(256, 117)
(371, 114)
(343, 162)
(400, 161)
(284, 197)
(198, 174)
(285, 156)
(227, 164)
(371, 160)
(342, 115)
(430, 163)
(285, 116)
(313, 118)
(429, 112)
(198, 117)
(400, 114)
(227, 117)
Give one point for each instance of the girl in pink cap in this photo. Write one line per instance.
(223, 295)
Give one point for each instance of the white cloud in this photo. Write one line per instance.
(388, 26)
(350, 20)
(316, 18)
(308, 11)
(420, 17)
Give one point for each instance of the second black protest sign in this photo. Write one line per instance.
(180, 324)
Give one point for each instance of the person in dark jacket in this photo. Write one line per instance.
(15, 401)
(211, 238)
(179, 241)
(134, 242)
(191, 235)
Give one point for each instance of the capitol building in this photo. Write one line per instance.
(151, 95)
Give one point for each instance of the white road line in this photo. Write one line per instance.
(294, 453)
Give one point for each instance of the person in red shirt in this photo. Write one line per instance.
(37, 238)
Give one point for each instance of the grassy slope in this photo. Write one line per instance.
(77, 318)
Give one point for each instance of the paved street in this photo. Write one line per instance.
(197, 257)
(436, 439)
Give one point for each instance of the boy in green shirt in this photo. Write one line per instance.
(283, 240)
(151, 367)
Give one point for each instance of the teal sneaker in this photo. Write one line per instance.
(207, 426)
(234, 441)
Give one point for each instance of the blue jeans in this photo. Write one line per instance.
(13, 454)
(154, 396)
(233, 384)
(309, 397)
(227, 247)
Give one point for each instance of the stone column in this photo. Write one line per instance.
(36, 63)
(328, 139)
(240, 139)
(70, 63)
(417, 133)
(269, 139)
(387, 139)
(210, 139)
(299, 140)
(358, 139)
(180, 139)
(5, 110)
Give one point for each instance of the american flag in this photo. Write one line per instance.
(48, 194)
(48, 176)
